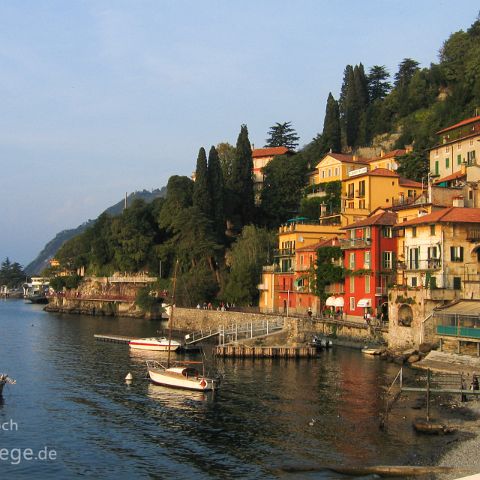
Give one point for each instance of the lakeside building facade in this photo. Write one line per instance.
(370, 251)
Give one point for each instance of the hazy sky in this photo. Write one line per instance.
(100, 98)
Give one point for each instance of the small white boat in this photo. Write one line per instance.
(159, 344)
(181, 375)
(371, 351)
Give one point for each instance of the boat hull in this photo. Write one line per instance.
(155, 348)
(199, 384)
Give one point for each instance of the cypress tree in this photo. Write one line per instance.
(217, 192)
(241, 181)
(350, 108)
(201, 192)
(331, 136)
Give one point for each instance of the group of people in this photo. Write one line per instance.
(221, 307)
(474, 385)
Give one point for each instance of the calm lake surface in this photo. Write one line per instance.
(71, 399)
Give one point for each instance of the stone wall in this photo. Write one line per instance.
(98, 307)
(409, 312)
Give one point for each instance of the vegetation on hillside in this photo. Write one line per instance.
(213, 227)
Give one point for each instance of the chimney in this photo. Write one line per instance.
(458, 201)
(382, 153)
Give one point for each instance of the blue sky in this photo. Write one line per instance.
(100, 98)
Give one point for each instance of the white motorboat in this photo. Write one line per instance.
(159, 344)
(181, 375)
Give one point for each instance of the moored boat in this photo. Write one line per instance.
(4, 379)
(159, 344)
(181, 375)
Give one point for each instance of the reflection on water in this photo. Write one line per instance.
(71, 395)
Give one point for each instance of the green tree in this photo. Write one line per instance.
(414, 165)
(284, 180)
(242, 200)
(249, 253)
(11, 274)
(378, 84)
(327, 270)
(201, 191)
(226, 155)
(217, 193)
(282, 135)
(331, 135)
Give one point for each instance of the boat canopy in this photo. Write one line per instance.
(339, 302)
(330, 302)
(364, 303)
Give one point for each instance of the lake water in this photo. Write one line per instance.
(71, 402)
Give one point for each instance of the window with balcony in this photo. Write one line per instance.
(456, 254)
(351, 190)
(361, 188)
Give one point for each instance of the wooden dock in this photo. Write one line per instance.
(243, 351)
(114, 338)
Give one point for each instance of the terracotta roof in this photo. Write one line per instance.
(394, 153)
(406, 182)
(323, 243)
(453, 176)
(269, 152)
(447, 215)
(347, 158)
(460, 124)
(383, 218)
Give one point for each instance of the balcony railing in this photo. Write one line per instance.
(355, 243)
(427, 264)
(381, 291)
(284, 252)
(455, 325)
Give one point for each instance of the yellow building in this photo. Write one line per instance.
(277, 288)
(335, 166)
(387, 160)
(365, 191)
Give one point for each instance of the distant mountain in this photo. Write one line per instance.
(51, 248)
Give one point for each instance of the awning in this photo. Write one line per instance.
(330, 302)
(364, 303)
(339, 302)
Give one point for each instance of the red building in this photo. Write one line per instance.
(369, 258)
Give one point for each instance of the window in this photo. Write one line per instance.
(351, 263)
(350, 192)
(411, 193)
(413, 260)
(459, 146)
(352, 284)
(367, 283)
(437, 168)
(471, 142)
(337, 171)
(456, 254)
(361, 204)
(323, 173)
(414, 231)
(352, 234)
(457, 283)
(459, 159)
(366, 233)
(329, 172)
(387, 232)
(471, 158)
(447, 162)
(432, 252)
(366, 261)
(432, 229)
(352, 303)
(447, 149)
(387, 260)
(414, 281)
(436, 153)
(361, 188)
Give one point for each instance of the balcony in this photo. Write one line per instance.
(428, 264)
(284, 252)
(473, 234)
(381, 291)
(350, 243)
(360, 193)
